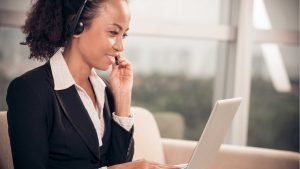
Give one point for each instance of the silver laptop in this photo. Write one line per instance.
(213, 134)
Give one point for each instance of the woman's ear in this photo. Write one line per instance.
(76, 36)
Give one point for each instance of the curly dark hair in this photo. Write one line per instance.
(49, 23)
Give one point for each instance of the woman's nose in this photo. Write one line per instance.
(118, 46)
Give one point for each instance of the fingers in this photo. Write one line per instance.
(163, 166)
(144, 164)
(124, 67)
(122, 62)
(167, 166)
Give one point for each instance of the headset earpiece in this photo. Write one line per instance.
(79, 28)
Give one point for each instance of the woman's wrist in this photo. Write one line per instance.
(123, 104)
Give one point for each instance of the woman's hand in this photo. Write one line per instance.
(121, 81)
(142, 164)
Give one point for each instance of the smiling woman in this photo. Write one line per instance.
(62, 114)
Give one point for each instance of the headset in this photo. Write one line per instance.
(78, 26)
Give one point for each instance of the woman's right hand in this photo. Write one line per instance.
(142, 164)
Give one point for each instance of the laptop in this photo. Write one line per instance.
(213, 134)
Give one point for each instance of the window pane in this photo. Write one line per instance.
(15, 5)
(174, 75)
(177, 11)
(283, 14)
(274, 115)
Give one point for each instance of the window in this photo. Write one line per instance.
(174, 75)
(274, 115)
(274, 105)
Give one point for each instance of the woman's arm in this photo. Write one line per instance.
(27, 126)
(120, 82)
(121, 147)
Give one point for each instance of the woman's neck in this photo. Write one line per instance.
(79, 70)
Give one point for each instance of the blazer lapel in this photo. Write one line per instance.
(107, 120)
(75, 111)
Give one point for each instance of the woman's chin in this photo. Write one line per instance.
(103, 67)
(104, 64)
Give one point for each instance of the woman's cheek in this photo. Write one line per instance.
(112, 41)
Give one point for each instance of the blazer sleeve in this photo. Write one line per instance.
(122, 145)
(27, 126)
(121, 149)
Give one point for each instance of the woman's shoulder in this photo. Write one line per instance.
(38, 73)
(28, 95)
(37, 79)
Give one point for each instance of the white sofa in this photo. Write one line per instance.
(149, 145)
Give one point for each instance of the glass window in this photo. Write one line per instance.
(174, 75)
(274, 105)
(176, 11)
(283, 14)
(274, 114)
(15, 5)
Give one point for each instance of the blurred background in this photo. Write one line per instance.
(187, 54)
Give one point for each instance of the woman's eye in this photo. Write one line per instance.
(113, 33)
(125, 35)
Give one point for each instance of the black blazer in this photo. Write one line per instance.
(51, 129)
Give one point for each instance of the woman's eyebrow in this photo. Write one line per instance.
(119, 26)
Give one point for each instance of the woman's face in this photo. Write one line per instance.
(103, 39)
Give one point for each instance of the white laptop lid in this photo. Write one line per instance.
(214, 133)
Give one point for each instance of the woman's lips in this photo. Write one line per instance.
(111, 58)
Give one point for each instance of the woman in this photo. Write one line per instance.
(62, 115)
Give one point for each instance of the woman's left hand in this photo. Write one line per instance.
(121, 81)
